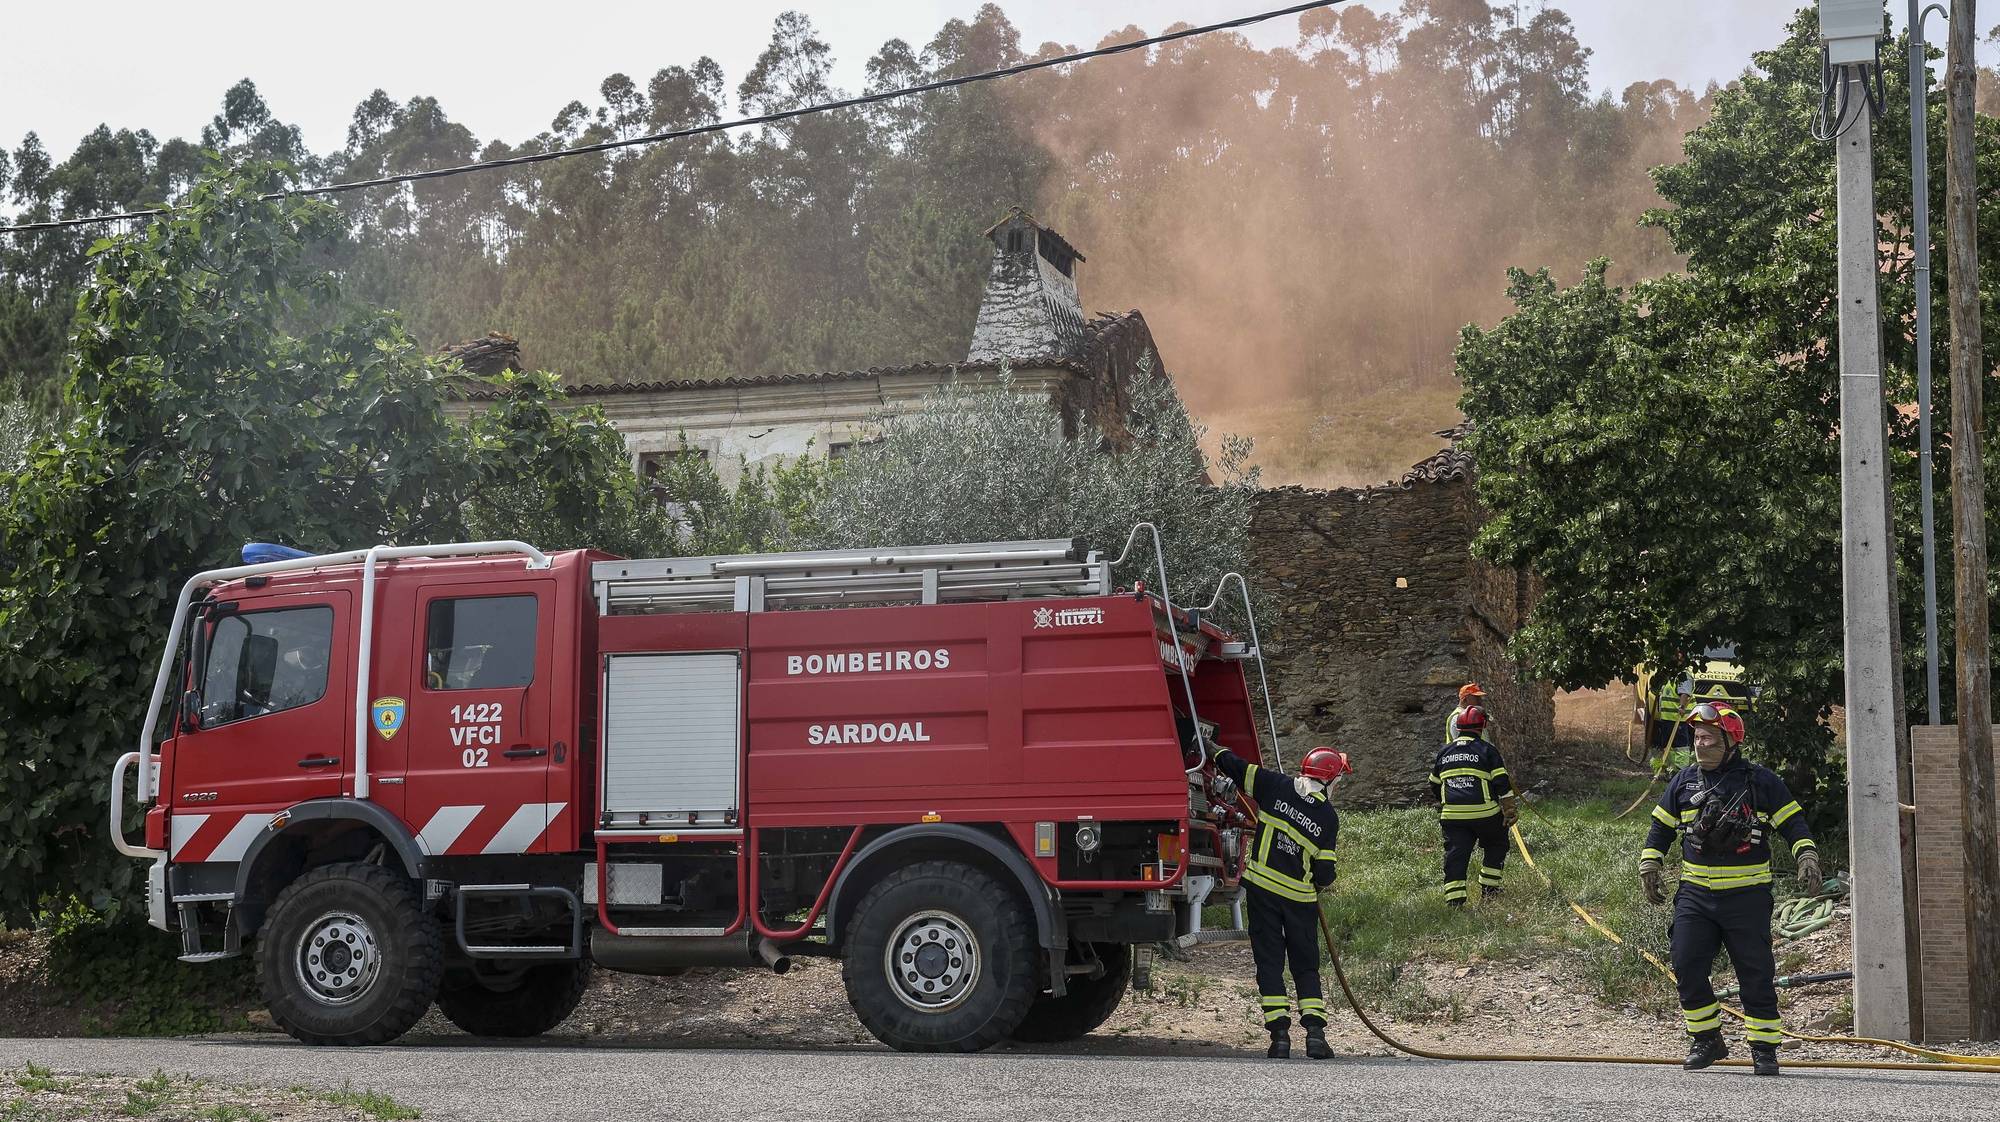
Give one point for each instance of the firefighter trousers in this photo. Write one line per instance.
(1282, 929)
(1739, 919)
(1460, 835)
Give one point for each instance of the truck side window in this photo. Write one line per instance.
(483, 643)
(265, 662)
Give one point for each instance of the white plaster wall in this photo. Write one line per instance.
(740, 426)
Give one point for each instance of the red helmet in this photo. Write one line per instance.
(1325, 765)
(1723, 718)
(1473, 719)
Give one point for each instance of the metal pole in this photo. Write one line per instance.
(1881, 979)
(1920, 242)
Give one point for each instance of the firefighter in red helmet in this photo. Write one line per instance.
(1726, 810)
(1475, 807)
(1290, 861)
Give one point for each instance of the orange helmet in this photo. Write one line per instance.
(1325, 765)
(1472, 720)
(1468, 691)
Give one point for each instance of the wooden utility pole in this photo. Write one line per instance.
(1968, 510)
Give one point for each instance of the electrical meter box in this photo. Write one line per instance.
(1849, 28)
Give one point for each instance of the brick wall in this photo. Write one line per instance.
(1941, 879)
(1380, 614)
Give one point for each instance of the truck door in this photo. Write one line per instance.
(273, 720)
(478, 718)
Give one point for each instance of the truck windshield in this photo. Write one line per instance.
(265, 662)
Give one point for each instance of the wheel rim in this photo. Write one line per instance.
(932, 961)
(337, 959)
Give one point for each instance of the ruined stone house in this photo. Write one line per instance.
(1031, 322)
(1382, 612)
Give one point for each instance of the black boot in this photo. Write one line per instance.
(1316, 1045)
(1281, 1046)
(1704, 1048)
(1764, 1059)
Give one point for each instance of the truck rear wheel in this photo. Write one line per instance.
(347, 955)
(940, 958)
(528, 1000)
(1088, 1003)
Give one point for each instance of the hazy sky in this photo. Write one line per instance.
(503, 67)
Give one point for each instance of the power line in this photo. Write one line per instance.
(722, 126)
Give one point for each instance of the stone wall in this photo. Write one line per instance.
(1941, 879)
(1379, 613)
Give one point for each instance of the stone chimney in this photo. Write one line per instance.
(1030, 309)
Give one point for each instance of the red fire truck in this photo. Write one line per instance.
(463, 774)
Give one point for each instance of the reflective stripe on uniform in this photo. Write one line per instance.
(1785, 813)
(1763, 1030)
(1273, 881)
(1703, 1019)
(1489, 877)
(1803, 844)
(1651, 854)
(1454, 890)
(1665, 817)
(1726, 876)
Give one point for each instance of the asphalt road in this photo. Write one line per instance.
(477, 1081)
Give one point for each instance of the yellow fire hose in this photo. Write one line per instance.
(1943, 1061)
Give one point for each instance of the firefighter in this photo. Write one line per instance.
(1469, 695)
(1476, 806)
(1726, 809)
(1662, 712)
(1291, 860)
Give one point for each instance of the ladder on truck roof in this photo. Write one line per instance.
(922, 574)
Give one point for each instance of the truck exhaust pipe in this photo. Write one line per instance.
(777, 960)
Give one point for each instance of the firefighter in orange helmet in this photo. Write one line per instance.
(1290, 861)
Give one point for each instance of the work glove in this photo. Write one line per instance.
(1810, 874)
(1650, 875)
(1510, 811)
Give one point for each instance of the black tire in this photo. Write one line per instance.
(1088, 1003)
(937, 910)
(527, 1001)
(359, 922)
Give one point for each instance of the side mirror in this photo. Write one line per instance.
(191, 711)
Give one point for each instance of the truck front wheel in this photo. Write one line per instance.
(940, 958)
(1088, 1002)
(347, 955)
(528, 1000)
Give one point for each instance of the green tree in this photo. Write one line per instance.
(769, 510)
(1666, 458)
(992, 463)
(222, 390)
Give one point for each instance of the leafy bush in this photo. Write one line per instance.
(992, 463)
(132, 971)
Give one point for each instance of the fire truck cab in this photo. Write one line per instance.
(464, 774)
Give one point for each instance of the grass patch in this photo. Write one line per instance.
(36, 1079)
(1389, 910)
(374, 1104)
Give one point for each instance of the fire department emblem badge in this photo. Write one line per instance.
(388, 716)
(1045, 617)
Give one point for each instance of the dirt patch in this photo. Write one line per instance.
(29, 1005)
(1595, 716)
